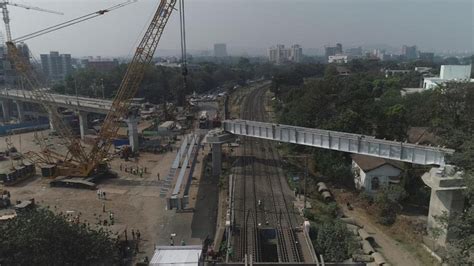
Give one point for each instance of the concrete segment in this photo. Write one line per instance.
(216, 159)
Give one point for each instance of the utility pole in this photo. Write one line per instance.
(102, 86)
(75, 88)
(305, 180)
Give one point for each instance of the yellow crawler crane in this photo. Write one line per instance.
(78, 162)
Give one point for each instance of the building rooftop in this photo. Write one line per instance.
(369, 163)
(176, 255)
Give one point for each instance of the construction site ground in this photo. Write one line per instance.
(135, 201)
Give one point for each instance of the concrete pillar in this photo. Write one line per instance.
(51, 123)
(446, 198)
(444, 201)
(83, 126)
(19, 108)
(5, 109)
(132, 123)
(216, 159)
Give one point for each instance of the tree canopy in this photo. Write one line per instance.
(40, 237)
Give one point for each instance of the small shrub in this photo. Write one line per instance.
(366, 197)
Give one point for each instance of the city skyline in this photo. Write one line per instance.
(313, 24)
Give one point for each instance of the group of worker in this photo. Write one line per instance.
(136, 237)
(101, 194)
(133, 170)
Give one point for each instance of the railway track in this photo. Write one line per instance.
(265, 217)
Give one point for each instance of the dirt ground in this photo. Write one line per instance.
(396, 252)
(134, 201)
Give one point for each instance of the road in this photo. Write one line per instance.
(265, 218)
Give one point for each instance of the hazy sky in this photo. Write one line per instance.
(433, 25)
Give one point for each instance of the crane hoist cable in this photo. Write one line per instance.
(184, 66)
(71, 22)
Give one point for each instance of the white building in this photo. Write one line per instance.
(279, 54)
(338, 58)
(296, 53)
(448, 73)
(372, 173)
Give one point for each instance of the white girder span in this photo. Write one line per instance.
(340, 141)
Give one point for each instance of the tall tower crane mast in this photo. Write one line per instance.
(6, 16)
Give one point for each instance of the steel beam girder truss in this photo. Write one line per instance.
(340, 141)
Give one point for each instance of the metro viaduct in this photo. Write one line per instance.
(446, 185)
(83, 106)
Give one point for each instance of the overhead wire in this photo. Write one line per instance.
(71, 22)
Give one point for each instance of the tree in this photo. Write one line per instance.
(40, 237)
(333, 240)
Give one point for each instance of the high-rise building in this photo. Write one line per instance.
(296, 53)
(279, 54)
(56, 66)
(101, 65)
(8, 74)
(333, 50)
(354, 52)
(409, 52)
(425, 56)
(220, 50)
(338, 48)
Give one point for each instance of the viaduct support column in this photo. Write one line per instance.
(83, 125)
(132, 123)
(5, 109)
(446, 198)
(51, 121)
(19, 108)
(216, 159)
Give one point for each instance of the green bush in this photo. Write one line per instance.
(333, 240)
(308, 215)
(364, 196)
(386, 201)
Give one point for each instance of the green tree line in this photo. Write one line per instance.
(367, 102)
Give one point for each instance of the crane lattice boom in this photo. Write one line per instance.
(78, 162)
(130, 83)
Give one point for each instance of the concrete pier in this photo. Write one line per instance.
(216, 138)
(20, 110)
(83, 125)
(446, 198)
(51, 121)
(132, 123)
(5, 109)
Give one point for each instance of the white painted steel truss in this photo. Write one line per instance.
(340, 141)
